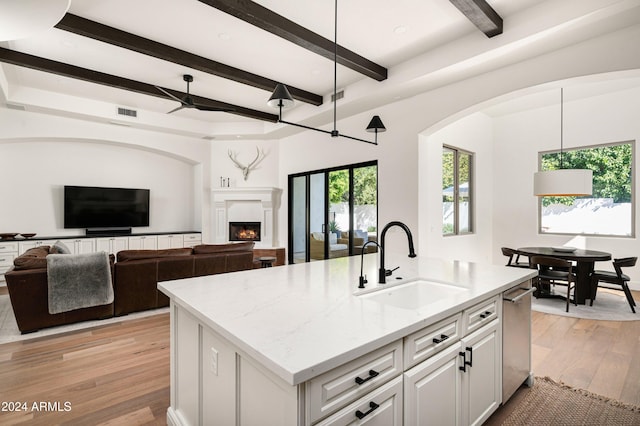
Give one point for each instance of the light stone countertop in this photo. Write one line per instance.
(302, 320)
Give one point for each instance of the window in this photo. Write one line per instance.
(457, 191)
(609, 210)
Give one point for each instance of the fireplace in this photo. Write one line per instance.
(244, 231)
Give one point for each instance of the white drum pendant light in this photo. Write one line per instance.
(24, 18)
(563, 182)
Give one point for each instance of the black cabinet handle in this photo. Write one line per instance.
(463, 367)
(442, 338)
(372, 407)
(470, 362)
(372, 374)
(485, 314)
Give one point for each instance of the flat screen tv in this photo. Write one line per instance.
(95, 207)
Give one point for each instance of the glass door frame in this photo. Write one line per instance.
(307, 175)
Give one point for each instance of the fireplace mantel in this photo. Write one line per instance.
(246, 204)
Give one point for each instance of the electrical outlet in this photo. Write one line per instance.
(214, 361)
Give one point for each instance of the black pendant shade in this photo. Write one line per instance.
(375, 125)
(280, 97)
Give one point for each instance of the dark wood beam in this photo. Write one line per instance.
(270, 21)
(481, 14)
(97, 31)
(60, 68)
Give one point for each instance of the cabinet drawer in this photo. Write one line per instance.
(6, 247)
(6, 260)
(480, 314)
(430, 340)
(383, 406)
(335, 389)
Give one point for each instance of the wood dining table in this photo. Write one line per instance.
(585, 261)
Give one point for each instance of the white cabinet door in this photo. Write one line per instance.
(26, 245)
(482, 380)
(191, 240)
(170, 241)
(432, 390)
(112, 245)
(143, 242)
(80, 245)
(381, 407)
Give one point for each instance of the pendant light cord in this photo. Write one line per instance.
(561, 124)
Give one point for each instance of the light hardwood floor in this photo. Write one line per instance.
(119, 374)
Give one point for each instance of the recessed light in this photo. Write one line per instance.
(224, 36)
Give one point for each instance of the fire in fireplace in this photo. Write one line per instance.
(244, 231)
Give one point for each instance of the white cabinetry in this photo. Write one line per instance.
(462, 384)
(191, 240)
(448, 373)
(8, 252)
(112, 245)
(26, 245)
(81, 245)
(170, 241)
(143, 242)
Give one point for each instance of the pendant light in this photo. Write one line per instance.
(563, 182)
(281, 98)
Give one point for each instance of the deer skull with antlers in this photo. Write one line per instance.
(246, 169)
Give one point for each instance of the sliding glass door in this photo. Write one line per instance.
(332, 212)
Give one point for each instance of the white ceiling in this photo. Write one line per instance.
(423, 44)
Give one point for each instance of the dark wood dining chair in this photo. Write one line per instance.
(511, 254)
(614, 280)
(553, 271)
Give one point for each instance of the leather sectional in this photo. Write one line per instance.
(135, 276)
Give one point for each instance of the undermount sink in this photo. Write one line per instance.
(414, 294)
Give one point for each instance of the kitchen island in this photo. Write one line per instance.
(302, 345)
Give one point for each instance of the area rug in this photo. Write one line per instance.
(551, 403)
(9, 329)
(609, 305)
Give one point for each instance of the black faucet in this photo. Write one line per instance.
(363, 278)
(383, 273)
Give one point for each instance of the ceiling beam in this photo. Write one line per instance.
(481, 14)
(97, 31)
(60, 68)
(270, 21)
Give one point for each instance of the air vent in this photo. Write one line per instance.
(127, 112)
(339, 95)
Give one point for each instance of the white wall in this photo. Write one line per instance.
(264, 173)
(475, 134)
(41, 154)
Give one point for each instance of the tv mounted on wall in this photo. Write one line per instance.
(96, 207)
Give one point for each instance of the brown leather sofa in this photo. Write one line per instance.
(135, 277)
(28, 291)
(138, 272)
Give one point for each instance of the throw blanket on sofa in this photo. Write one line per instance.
(78, 281)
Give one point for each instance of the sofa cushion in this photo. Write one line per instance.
(222, 248)
(125, 255)
(34, 258)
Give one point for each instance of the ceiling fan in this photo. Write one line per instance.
(187, 101)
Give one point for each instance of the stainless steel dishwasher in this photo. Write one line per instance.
(516, 339)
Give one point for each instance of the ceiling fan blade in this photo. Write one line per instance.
(213, 108)
(169, 94)
(176, 109)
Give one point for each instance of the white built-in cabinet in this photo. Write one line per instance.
(170, 241)
(143, 242)
(112, 245)
(446, 373)
(8, 251)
